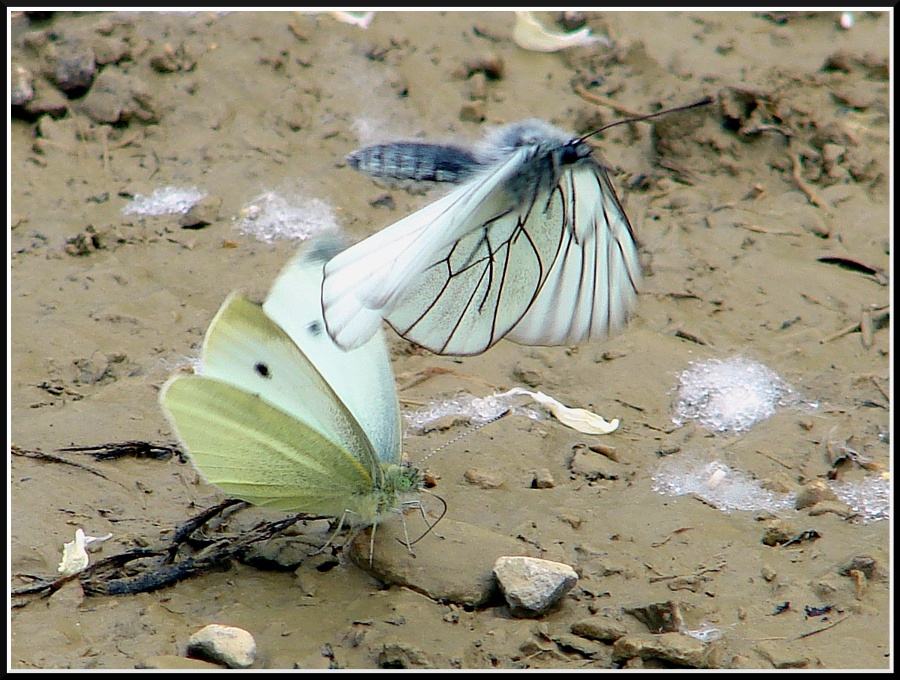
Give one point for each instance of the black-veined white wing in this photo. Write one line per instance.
(534, 247)
(592, 284)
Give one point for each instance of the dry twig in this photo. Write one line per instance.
(609, 103)
(811, 194)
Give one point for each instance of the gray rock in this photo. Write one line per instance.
(592, 466)
(110, 50)
(21, 85)
(282, 553)
(117, 97)
(785, 654)
(599, 627)
(403, 655)
(531, 585)
(201, 214)
(870, 567)
(542, 479)
(172, 662)
(659, 617)
(484, 479)
(46, 100)
(71, 64)
(579, 644)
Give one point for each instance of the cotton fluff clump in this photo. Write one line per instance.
(718, 484)
(167, 201)
(477, 410)
(270, 217)
(730, 395)
(869, 499)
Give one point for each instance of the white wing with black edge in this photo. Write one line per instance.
(534, 247)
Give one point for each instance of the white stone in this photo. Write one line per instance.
(234, 647)
(531, 585)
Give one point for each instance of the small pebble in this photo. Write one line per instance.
(676, 648)
(21, 86)
(472, 112)
(812, 493)
(484, 480)
(201, 214)
(71, 64)
(542, 479)
(599, 627)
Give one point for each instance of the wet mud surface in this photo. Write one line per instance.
(764, 224)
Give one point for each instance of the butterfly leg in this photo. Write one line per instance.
(340, 525)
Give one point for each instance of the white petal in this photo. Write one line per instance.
(361, 19)
(577, 418)
(97, 539)
(529, 34)
(75, 557)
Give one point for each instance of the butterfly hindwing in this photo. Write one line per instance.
(487, 281)
(591, 285)
(361, 379)
(259, 453)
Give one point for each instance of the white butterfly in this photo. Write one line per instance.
(533, 246)
(279, 416)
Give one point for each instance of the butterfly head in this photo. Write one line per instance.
(573, 151)
(399, 481)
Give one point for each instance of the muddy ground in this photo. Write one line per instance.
(735, 207)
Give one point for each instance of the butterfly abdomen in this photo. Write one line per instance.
(417, 161)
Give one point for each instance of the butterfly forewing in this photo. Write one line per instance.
(245, 348)
(262, 420)
(258, 453)
(367, 281)
(483, 287)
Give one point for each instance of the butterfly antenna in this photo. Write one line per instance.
(443, 446)
(431, 525)
(702, 102)
(473, 428)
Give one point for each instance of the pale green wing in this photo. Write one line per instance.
(361, 378)
(260, 454)
(246, 349)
